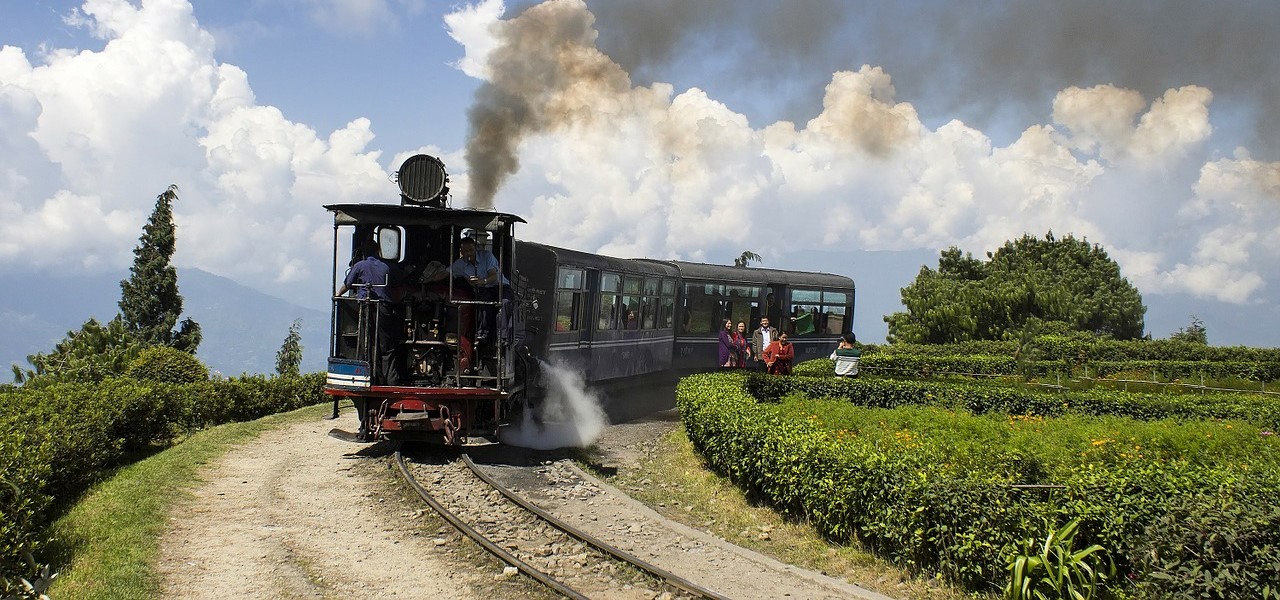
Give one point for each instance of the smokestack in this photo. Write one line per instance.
(546, 73)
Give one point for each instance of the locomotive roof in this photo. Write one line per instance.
(757, 275)
(391, 214)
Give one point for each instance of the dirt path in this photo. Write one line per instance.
(296, 514)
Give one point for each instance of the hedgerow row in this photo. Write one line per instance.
(929, 502)
(58, 439)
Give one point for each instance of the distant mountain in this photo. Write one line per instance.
(242, 328)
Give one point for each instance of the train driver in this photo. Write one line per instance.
(480, 268)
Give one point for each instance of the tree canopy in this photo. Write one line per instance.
(92, 353)
(149, 300)
(289, 358)
(1067, 283)
(746, 258)
(1195, 333)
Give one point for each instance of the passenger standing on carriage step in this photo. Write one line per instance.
(371, 275)
(480, 267)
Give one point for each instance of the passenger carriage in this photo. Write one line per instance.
(615, 321)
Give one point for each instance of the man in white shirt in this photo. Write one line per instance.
(760, 340)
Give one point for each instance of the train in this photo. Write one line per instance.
(429, 354)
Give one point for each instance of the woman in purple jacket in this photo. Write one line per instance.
(728, 347)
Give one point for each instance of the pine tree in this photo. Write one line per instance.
(149, 300)
(1194, 333)
(289, 358)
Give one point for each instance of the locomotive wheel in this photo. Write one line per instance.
(369, 429)
(449, 431)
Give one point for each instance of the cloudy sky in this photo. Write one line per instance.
(666, 129)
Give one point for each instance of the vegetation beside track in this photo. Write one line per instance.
(57, 440)
(107, 542)
(933, 475)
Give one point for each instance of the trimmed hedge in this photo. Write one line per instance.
(164, 364)
(1075, 348)
(950, 508)
(896, 364)
(981, 397)
(57, 440)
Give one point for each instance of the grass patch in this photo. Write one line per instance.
(676, 482)
(108, 542)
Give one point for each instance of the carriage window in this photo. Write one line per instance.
(631, 302)
(569, 299)
(698, 311)
(631, 312)
(650, 303)
(667, 305)
(706, 306)
(817, 312)
(610, 300)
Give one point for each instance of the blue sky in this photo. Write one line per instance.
(666, 129)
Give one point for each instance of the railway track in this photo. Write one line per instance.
(547, 549)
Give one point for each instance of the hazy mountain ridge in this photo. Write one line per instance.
(242, 327)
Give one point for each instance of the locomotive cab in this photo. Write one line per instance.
(425, 328)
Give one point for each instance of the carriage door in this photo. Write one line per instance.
(774, 297)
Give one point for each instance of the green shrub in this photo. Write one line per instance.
(982, 397)
(938, 489)
(1053, 568)
(1215, 544)
(59, 438)
(163, 364)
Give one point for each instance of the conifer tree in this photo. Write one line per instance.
(149, 300)
(289, 358)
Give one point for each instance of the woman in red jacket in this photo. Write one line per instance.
(779, 354)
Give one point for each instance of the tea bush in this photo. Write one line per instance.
(982, 397)
(164, 364)
(893, 363)
(57, 440)
(931, 485)
(1221, 543)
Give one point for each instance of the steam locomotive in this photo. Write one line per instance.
(428, 354)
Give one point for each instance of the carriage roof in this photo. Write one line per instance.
(757, 275)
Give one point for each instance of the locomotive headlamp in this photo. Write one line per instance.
(423, 181)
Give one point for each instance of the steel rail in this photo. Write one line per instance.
(484, 542)
(597, 543)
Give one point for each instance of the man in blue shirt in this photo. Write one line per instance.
(369, 273)
(371, 276)
(480, 267)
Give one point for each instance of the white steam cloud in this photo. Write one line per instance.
(570, 416)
